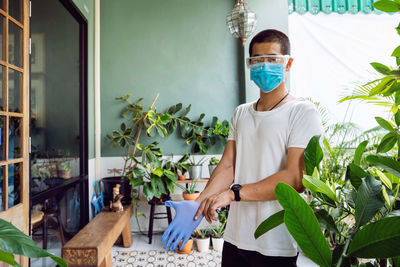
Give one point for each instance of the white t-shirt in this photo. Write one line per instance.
(262, 140)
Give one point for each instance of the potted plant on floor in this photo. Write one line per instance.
(202, 239)
(195, 168)
(218, 231)
(212, 164)
(187, 248)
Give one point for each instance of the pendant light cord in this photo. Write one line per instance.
(275, 104)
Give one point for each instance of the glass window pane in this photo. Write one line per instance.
(14, 90)
(2, 19)
(14, 181)
(14, 141)
(2, 138)
(15, 9)
(1, 187)
(2, 72)
(2, 4)
(14, 45)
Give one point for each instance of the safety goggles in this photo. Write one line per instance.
(279, 59)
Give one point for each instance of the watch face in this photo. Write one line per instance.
(236, 187)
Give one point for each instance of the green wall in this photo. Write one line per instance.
(178, 48)
(181, 49)
(87, 9)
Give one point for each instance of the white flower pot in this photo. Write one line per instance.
(218, 243)
(203, 244)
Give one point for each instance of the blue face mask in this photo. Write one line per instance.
(267, 76)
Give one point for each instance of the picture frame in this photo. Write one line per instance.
(38, 113)
(38, 53)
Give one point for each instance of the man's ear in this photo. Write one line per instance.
(289, 64)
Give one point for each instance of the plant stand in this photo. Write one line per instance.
(157, 216)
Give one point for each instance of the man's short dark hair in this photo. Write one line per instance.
(271, 36)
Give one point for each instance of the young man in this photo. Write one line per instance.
(265, 146)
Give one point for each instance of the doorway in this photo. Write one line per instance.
(58, 122)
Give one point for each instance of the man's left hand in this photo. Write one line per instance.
(210, 205)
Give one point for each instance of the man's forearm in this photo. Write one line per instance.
(264, 190)
(220, 180)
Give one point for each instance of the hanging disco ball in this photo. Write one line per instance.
(241, 21)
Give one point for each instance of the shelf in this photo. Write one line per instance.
(188, 181)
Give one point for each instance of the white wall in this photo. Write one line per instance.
(332, 53)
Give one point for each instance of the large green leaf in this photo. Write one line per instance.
(384, 124)
(270, 223)
(326, 221)
(388, 164)
(313, 155)
(355, 173)
(303, 225)
(384, 84)
(377, 240)
(8, 258)
(397, 118)
(316, 185)
(387, 6)
(387, 143)
(14, 241)
(369, 200)
(384, 179)
(360, 151)
(381, 68)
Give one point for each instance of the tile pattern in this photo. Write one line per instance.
(163, 258)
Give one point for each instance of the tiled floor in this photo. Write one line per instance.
(140, 243)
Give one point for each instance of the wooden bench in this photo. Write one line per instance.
(92, 245)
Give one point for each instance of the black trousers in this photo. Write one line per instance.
(235, 257)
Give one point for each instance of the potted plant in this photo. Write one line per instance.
(187, 248)
(181, 166)
(212, 164)
(64, 169)
(189, 190)
(153, 173)
(202, 239)
(195, 168)
(218, 231)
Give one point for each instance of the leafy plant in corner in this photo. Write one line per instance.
(13, 241)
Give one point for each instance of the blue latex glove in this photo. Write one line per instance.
(183, 224)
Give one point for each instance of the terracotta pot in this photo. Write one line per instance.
(64, 174)
(203, 244)
(187, 248)
(182, 177)
(191, 197)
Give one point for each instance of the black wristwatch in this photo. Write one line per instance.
(236, 190)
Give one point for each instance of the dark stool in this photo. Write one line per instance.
(157, 216)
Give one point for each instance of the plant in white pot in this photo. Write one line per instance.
(212, 164)
(202, 240)
(195, 168)
(218, 231)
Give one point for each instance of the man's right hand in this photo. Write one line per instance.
(209, 206)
